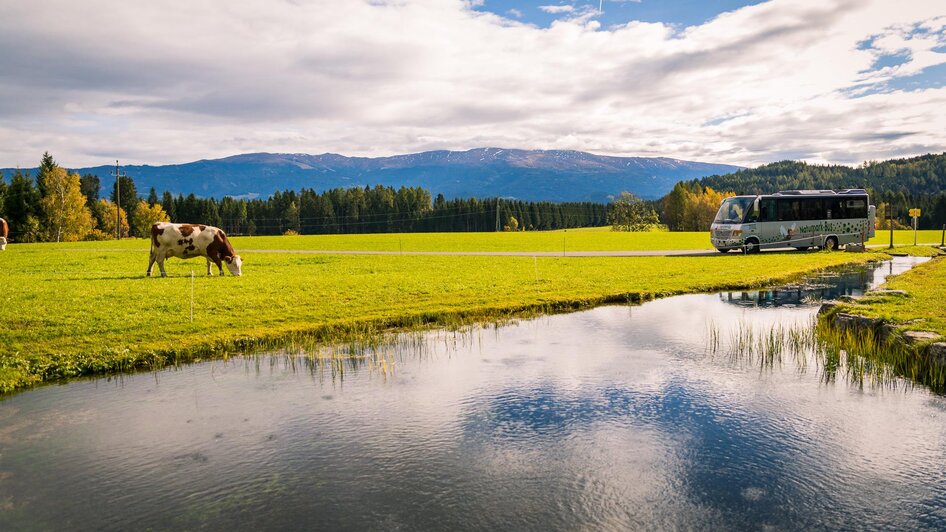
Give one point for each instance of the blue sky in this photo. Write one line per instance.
(827, 81)
(677, 12)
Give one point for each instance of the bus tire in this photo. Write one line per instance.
(831, 243)
(752, 245)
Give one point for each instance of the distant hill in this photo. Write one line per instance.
(902, 183)
(533, 175)
(915, 176)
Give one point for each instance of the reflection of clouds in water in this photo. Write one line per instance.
(724, 451)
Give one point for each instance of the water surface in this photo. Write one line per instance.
(615, 418)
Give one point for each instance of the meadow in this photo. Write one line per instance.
(86, 308)
(590, 239)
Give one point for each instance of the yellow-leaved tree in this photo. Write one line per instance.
(145, 216)
(107, 219)
(699, 208)
(67, 218)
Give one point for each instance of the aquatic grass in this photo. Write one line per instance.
(72, 313)
(863, 357)
(883, 360)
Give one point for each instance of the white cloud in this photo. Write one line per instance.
(557, 9)
(185, 80)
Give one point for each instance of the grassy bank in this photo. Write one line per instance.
(67, 312)
(924, 308)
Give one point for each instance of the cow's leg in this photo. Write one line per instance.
(208, 266)
(160, 259)
(219, 264)
(154, 257)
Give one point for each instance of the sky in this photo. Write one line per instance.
(826, 81)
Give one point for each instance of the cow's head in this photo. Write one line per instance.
(235, 265)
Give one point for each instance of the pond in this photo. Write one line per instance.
(613, 418)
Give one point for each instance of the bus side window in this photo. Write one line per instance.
(767, 210)
(789, 210)
(812, 209)
(838, 212)
(857, 208)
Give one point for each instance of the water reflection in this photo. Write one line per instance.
(614, 418)
(846, 281)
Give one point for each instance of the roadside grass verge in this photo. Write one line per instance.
(67, 314)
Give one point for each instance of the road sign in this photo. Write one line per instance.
(915, 213)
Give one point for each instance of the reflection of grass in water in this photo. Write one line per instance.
(871, 358)
(862, 357)
(375, 350)
(763, 346)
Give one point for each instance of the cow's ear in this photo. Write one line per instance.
(229, 260)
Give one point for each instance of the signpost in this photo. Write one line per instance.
(891, 214)
(915, 213)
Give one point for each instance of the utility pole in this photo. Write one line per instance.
(497, 214)
(890, 214)
(118, 201)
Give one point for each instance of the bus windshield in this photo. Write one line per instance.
(733, 210)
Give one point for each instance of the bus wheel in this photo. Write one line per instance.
(752, 246)
(831, 243)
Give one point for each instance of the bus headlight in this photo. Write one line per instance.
(736, 232)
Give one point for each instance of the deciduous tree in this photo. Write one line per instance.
(67, 218)
(107, 224)
(630, 213)
(145, 216)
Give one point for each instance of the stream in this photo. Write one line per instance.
(619, 417)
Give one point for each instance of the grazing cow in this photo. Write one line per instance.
(4, 232)
(188, 241)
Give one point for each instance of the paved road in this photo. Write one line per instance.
(644, 253)
(617, 253)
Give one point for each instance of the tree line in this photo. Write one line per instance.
(897, 184)
(59, 206)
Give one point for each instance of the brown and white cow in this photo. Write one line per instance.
(4, 233)
(187, 241)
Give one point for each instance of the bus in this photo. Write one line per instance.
(800, 219)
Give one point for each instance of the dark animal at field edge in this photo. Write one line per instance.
(4, 233)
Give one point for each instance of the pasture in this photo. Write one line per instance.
(586, 239)
(86, 308)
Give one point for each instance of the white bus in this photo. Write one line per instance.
(800, 219)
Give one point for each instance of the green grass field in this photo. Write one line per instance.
(589, 239)
(74, 309)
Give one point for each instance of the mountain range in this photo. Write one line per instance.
(534, 175)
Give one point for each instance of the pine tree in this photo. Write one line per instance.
(90, 185)
(21, 202)
(129, 194)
